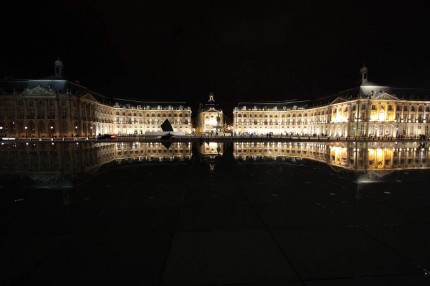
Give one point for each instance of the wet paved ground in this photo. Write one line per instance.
(240, 224)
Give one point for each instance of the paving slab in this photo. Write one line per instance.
(333, 253)
(412, 242)
(397, 280)
(134, 220)
(226, 257)
(21, 254)
(218, 217)
(297, 214)
(104, 259)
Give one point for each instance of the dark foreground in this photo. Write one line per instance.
(219, 222)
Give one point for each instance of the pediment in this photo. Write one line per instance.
(89, 97)
(338, 100)
(213, 110)
(38, 90)
(384, 96)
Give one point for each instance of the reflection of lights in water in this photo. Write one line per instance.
(370, 178)
(212, 167)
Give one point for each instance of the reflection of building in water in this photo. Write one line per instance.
(279, 150)
(211, 152)
(49, 162)
(348, 155)
(152, 151)
(61, 108)
(211, 149)
(367, 110)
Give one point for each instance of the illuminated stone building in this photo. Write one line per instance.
(55, 107)
(367, 110)
(210, 117)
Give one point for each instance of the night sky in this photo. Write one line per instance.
(249, 50)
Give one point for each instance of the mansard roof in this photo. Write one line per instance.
(37, 91)
(374, 91)
(45, 86)
(280, 105)
(56, 85)
(121, 102)
(61, 86)
(210, 107)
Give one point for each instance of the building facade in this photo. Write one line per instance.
(367, 110)
(55, 107)
(210, 117)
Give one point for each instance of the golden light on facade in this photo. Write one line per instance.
(351, 155)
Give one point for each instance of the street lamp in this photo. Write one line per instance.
(52, 127)
(76, 131)
(25, 131)
(91, 131)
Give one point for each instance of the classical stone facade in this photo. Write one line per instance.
(210, 117)
(367, 110)
(146, 117)
(55, 107)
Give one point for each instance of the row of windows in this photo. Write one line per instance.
(412, 108)
(152, 115)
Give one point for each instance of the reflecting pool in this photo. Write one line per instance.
(215, 213)
(36, 164)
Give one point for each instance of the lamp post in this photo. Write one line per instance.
(25, 131)
(1, 130)
(76, 131)
(51, 128)
(91, 131)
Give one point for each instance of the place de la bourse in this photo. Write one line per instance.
(329, 191)
(54, 107)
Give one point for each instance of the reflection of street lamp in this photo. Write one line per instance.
(25, 131)
(52, 127)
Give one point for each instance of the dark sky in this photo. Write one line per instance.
(182, 50)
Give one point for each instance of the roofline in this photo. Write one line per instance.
(154, 102)
(274, 102)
